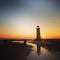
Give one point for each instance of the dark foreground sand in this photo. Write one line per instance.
(14, 51)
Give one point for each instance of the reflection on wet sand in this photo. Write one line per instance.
(38, 49)
(45, 52)
(53, 49)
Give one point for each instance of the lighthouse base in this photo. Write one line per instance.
(37, 41)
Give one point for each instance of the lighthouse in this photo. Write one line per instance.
(38, 37)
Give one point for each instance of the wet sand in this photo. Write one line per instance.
(17, 50)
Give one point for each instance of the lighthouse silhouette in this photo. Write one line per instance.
(38, 37)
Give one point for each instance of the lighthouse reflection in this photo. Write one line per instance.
(38, 49)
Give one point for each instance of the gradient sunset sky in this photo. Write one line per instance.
(19, 18)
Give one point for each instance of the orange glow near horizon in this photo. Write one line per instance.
(29, 34)
(43, 36)
(17, 36)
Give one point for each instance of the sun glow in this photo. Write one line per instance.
(43, 35)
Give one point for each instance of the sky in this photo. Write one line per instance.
(19, 18)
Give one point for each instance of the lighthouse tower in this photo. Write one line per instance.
(38, 37)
